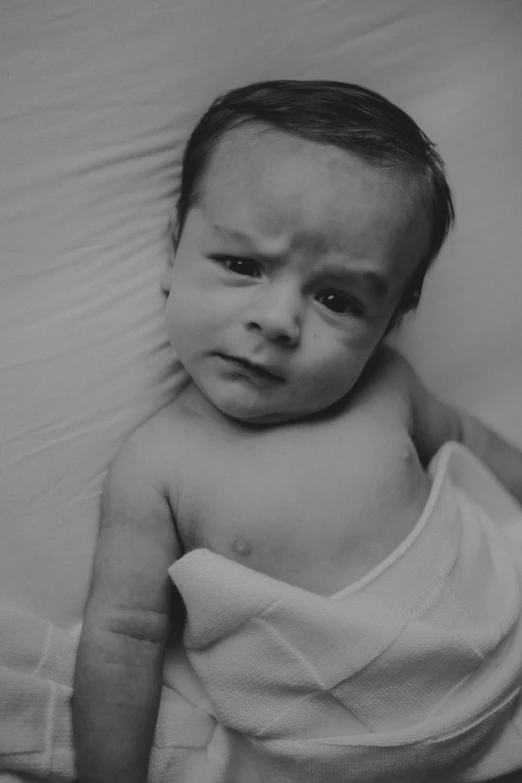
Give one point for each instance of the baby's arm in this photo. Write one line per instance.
(118, 676)
(435, 422)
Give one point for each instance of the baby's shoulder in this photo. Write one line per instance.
(154, 447)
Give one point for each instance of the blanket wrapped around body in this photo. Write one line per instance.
(413, 673)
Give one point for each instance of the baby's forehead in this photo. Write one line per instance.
(282, 177)
(256, 145)
(256, 157)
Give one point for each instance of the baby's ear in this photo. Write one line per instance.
(166, 278)
(166, 281)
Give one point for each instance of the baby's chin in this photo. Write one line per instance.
(255, 415)
(253, 409)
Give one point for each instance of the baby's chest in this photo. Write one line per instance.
(319, 517)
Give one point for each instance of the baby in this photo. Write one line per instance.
(308, 217)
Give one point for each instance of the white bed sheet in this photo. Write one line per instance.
(96, 100)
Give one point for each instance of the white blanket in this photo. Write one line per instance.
(412, 673)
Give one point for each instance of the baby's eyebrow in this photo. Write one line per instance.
(272, 249)
(231, 233)
(377, 283)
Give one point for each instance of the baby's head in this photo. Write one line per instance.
(347, 116)
(308, 216)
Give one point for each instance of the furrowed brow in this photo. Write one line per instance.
(228, 233)
(374, 282)
(231, 233)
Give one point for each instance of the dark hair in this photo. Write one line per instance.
(347, 116)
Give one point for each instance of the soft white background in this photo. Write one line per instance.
(96, 100)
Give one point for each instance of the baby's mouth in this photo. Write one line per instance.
(257, 370)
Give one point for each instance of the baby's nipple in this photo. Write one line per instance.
(241, 547)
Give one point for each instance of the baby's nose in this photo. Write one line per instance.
(286, 334)
(277, 314)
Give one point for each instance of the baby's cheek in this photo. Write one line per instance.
(179, 328)
(182, 313)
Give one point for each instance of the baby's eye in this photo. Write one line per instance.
(339, 303)
(239, 265)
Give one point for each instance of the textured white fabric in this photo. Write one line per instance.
(36, 671)
(412, 673)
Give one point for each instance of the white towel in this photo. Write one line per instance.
(413, 673)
